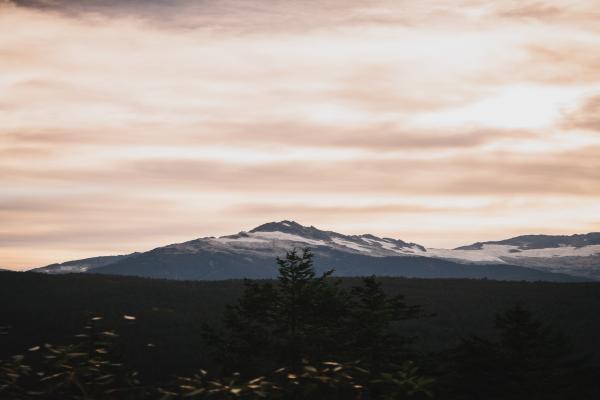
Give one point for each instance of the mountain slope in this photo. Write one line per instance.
(577, 255)
(207, 265)
(83, 265)
(527, 242)
(251, 255)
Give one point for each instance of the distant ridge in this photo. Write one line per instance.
(542, 241)
(250, 254)
(83, 265)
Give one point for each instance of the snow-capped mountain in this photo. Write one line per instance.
(84, 265)
(250, 254)
(281, 236)
(577, 255)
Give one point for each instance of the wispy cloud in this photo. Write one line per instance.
(586, 117)
(129, 124)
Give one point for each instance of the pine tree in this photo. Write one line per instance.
(274, 325)
(374, 333)
(309, 307)
(529, 361)
(306, 316)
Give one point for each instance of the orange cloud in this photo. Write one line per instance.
(587, 117)
(130, 124)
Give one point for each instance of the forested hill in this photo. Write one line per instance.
(37, 308)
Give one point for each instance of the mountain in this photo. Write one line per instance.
(577, 255)
(251, 255)
(526, 242)
(87, 264)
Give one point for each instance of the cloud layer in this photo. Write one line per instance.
(130, 124)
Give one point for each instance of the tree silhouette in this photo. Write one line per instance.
(529, 361)
(373, 334)
(279, 324)
(305, 316)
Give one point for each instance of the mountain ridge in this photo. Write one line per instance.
(542, 241)
(246, 253)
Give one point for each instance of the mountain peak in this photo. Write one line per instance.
(577, 254)
(280, 226)
(294, 228)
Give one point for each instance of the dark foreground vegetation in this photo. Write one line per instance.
(302, 336)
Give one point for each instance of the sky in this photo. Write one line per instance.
(128, 124)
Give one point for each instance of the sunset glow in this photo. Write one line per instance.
(125, 125)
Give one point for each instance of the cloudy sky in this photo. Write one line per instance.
(128, 124)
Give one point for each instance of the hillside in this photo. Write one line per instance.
(249, 255)
(38, 308)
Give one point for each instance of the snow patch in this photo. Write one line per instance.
(243, 239)
(65, 269)
(499, 252)
(276, 235)
(393, 247)
(351, 245)
(467, 255)
(563, 251)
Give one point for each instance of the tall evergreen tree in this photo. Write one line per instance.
(309, 307)
(529, 361)
(274, 325)
(374, 333)
(303, 315)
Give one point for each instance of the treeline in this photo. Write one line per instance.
(307, 337)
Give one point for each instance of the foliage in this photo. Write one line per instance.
(310, 316)
(12, 373)
(38, 308)
(369, 331)
(373, 333)
(85, 369)
(79, 371)
(528, 361)
(405, 382)
(326, 380)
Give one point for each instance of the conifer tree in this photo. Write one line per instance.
(274, 325)
(306, 316)
(529, 361)
(374, 333)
